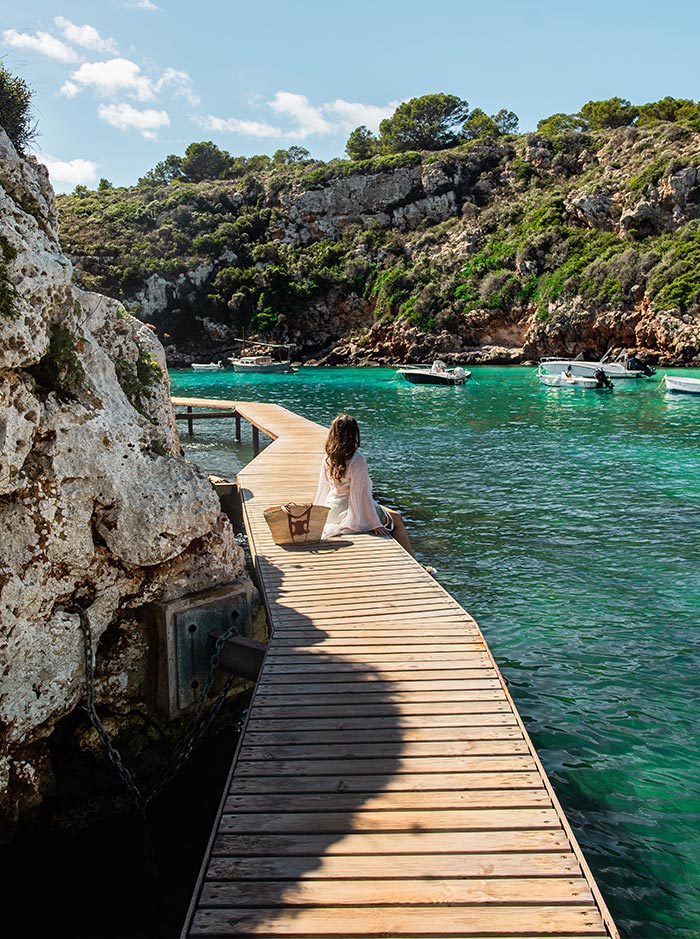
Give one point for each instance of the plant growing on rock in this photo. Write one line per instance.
(15, 114)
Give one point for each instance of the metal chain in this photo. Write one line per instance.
(197, 726)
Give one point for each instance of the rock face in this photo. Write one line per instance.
(97, 506)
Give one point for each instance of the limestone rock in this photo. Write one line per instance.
(98, 508)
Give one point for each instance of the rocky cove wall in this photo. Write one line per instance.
(98, 508)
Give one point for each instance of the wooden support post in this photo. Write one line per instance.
(256, 441)
(190, 423)
(238, 428)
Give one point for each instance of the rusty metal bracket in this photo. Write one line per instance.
(241, 656)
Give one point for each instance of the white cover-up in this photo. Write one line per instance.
(352, 508)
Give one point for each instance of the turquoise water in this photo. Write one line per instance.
(568, 523)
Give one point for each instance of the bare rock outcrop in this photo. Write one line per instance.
(98, 508)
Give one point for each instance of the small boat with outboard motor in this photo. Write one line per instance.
(207, 366)
(568, 379)
(678, 384)
(622, 366)
(436, 374)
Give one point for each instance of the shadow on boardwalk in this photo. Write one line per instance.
(323, 740)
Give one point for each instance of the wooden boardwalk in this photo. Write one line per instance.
(384, 784)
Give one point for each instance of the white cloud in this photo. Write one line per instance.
(181, 84)
(85, 36)
(73, 172)
(141, 5)
(236, 126)
(41, 42)
(124, 117)
(309, 118)
(108, 79)
(352, 114)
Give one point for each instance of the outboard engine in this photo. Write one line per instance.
(636, 365)
(602, 380)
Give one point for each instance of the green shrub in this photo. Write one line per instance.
(15, 115)
(8, 292)
(137, 380)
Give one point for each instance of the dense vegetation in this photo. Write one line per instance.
(15, 109)
(577, 211)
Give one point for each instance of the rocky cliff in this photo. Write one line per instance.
(498, 251)
(98, 509)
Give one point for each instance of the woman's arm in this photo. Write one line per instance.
(323, 487)
(362, 509)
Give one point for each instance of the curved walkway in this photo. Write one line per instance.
(384, 784)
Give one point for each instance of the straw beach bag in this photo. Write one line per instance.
(296, 522)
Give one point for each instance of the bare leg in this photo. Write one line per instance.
(399, 532)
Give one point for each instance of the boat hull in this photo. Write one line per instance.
(206, 368)
(275, 368)
(426, 377)
(585, 369)
(563, 381)
(677, 385)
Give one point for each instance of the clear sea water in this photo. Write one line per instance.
(567, 522)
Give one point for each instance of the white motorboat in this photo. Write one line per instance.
(625, 366)
(207, 366)
(436, 374)
(562, 380)
(260, 363)
(568, 379)
(679, 385)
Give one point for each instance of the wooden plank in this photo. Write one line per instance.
(390, 666)
(401, 702)
(404, 782)
(379, 892)
(390, 734)
(387, 766)
(469, 680)
(388, 801)
(426, 866)
(421, 842)
(423, 726)
(421, 749)
(376, 921)
(403, 714)
(433, 820)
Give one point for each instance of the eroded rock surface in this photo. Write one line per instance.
(98, 508)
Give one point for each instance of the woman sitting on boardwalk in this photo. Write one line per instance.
(345, 486)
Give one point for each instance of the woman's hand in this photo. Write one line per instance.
(380, 531)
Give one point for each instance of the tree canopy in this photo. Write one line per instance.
(15, 115)
(431, 122)
(205, 160)
(362, 144)
(614, 112)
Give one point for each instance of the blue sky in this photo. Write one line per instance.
(119, 84)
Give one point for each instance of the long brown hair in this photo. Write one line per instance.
(343, 440)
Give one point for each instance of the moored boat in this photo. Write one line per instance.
(677, 384)
(263, 361)
(436, 374)
(207, 366)
(564, 381)
(260, 363)
(626, 366)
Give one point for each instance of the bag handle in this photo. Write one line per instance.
(299, 525)
(304, 506)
